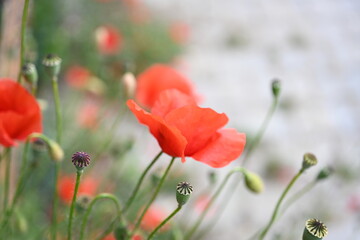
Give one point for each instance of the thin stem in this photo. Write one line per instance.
(78, 175)
(274, 215)
(88, 210)
(152, 234)
(137, 187)
(22, 37)
(157, 190)
(55, 201)
(212, 200)
(7, 156)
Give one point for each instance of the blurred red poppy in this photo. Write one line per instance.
(109, 40)
(184, 129)
(20, 113)
(180, 32)
(88, 186)
(88, 115)
(77, 76)
(158, 78)
(152, 218)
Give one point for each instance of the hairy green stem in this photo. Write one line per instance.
(276, 210)
(7, 156)
(152, 234)
(157, 190)
(137, 187)
(71, 215)
(22, 37)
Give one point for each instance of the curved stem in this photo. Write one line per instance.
(7, 156)
(78, 175)
(22, 37)
(152, 234)
(137, 187)
(274, 215)
(212, 200)
(88, 211)
(161, 182)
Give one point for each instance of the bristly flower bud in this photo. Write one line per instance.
(30, 74)
(56, 152)
(129, 83)
(183, 192)
(83, 202)
(314, 230)
(309, 160)
(276, 87)
(253, 182)
(324, 173)
(80, 160)
(52, 65)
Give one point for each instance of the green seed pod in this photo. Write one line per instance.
(52, 65)
(253, 182)
(309, 160)
(314, 230)
(183, 192)
(276, 87)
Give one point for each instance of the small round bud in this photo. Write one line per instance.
(309, 160)
(80, 160)
(52, 65)
(183, 192)
(121, 232)
(253, 182)
(314, 230)
(324, 173)
(56, 152)
(276, 87)
(83, 201)
(129, 83)
(30, 74)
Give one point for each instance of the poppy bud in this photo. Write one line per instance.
(314, 230)
(309, 160)
(276, 87)
(324, 173)
(83, 201)
(52, 65)
(30, 74)
(56, 152)
(80, 160)
(183, 192)
(121, 232)
(129, 83)
(253, 182)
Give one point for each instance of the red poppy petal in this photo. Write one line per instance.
(224, 148)
(158, 78)
(5, 139)
(169, 100)
(196, 124)
(169, 138)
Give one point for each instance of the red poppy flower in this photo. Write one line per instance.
(158, 78)
(66, 185)
(20, 114)
(184, 129)
(109, 40)
(77, 76)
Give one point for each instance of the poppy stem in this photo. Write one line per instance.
(276, 210)
(71, 215)
(7, 157)
(22, 37)
(137, 187)
(157, 190)
(152, 234)
(95, 200)
(212, 200)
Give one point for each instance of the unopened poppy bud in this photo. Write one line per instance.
(183, 192)
(324, 173)
(52, 65)
(314, 230)
(30, 74)
(276, 87)
(56, 152)
(309, 160)
(253, 182)
(121, 232)
(83, 201)
(80, 160)
(129, 83)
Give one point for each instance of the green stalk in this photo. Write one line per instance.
(152, 234)
(7, 156)
(137, 187)
(88, 210)
(276, 210)
(212, 200)
(22, 37)
(71, 215)
(157, 190)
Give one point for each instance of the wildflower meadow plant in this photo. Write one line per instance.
(71, 177)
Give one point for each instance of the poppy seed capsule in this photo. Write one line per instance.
(314, 230)
(30, 74)
(309, 160)
(253, 182)
(80, 160)
(52, 65)
(183, 192)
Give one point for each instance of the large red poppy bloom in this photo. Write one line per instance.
(158, 78)
(20, 114)
(184, 129)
